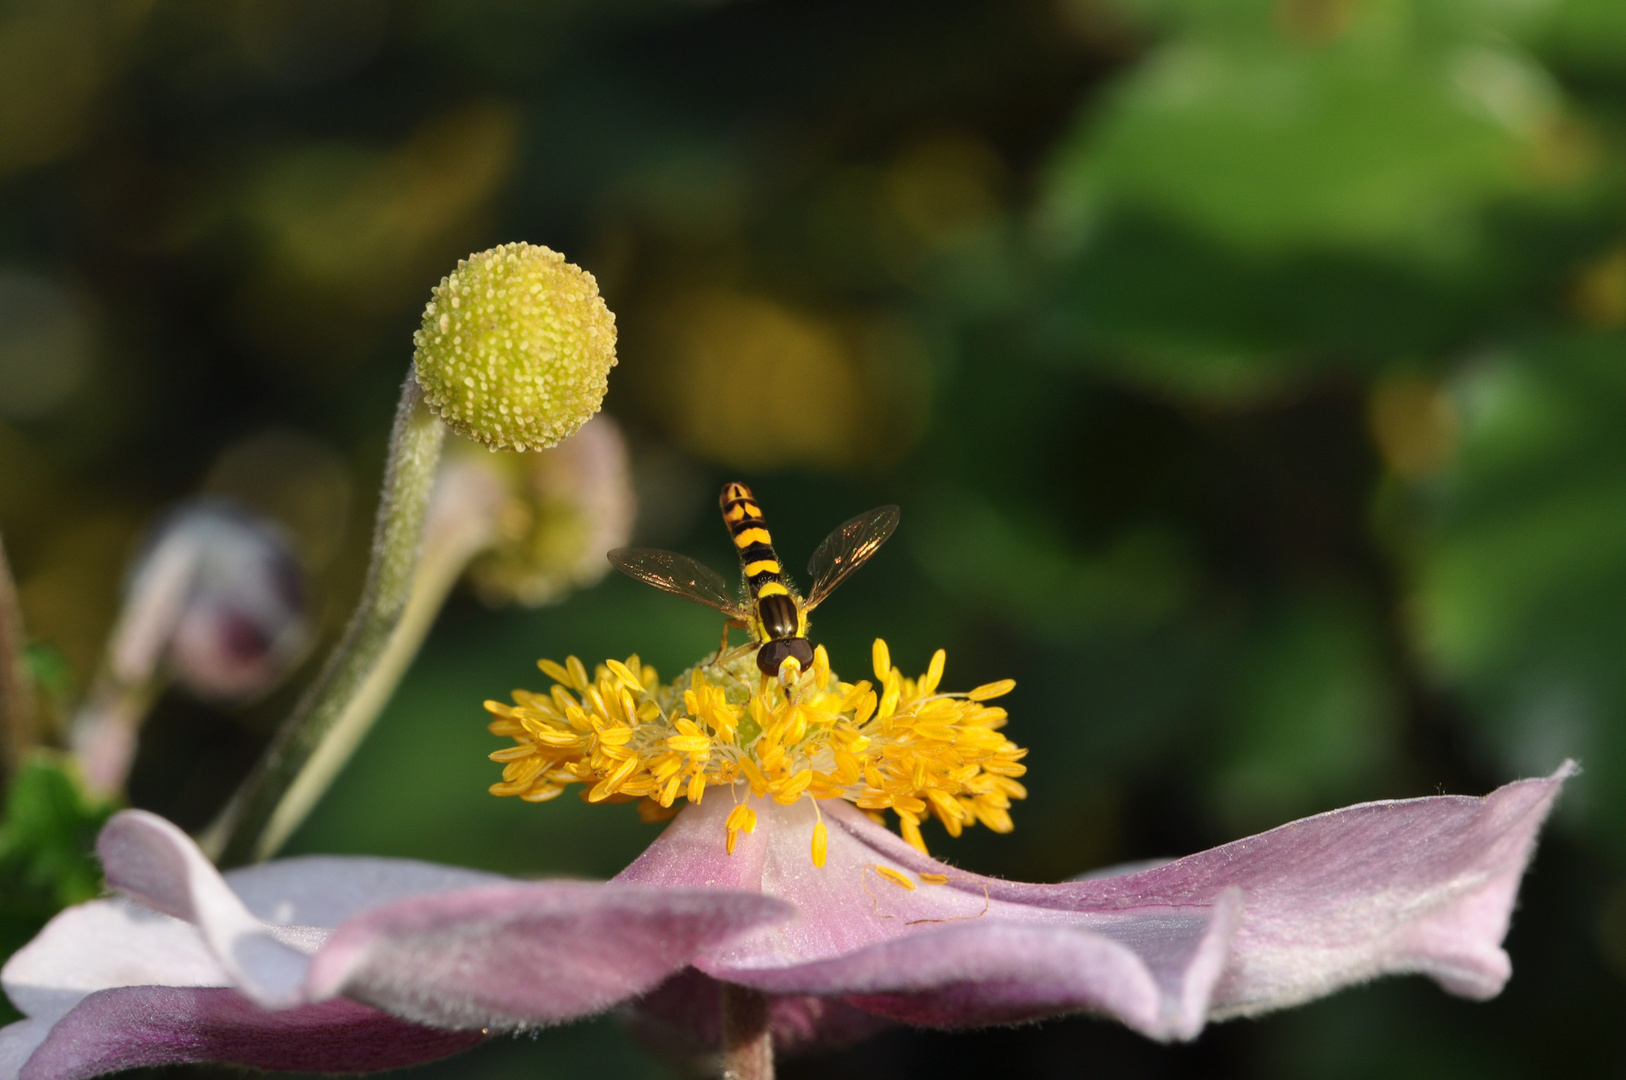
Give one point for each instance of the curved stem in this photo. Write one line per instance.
(747, 1035)
(244, 831)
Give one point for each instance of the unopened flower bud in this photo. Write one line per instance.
(563, 510)
(216, 601)
(516, 348)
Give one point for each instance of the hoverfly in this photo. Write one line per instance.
(769, 606)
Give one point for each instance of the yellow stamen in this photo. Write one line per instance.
(934, 879)
(894, 877)
(741, 817)
(992, 690)
(897, 744)
(934, 673)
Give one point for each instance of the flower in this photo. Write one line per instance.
(375, 963)
(898, 744)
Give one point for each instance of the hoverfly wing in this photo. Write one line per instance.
(678, 575)
(846, 549)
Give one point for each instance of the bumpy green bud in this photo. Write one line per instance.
(516, 348)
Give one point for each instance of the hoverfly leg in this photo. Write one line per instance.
(731, 624)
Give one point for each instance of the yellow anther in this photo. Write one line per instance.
(934, 673)
(742, 817)
(889, 700)
(883, 660)
(788, 789)
(910, 829)
(992, 690)
(556, 672)
(934, 879)
(894, 745)
(895, 877)
(624, 673)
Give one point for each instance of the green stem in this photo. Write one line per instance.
(350, 679)
(747, 1035)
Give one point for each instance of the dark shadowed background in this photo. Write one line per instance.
(1252, 377)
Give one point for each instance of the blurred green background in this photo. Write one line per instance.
(1252, 376)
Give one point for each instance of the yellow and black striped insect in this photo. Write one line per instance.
(768, 605)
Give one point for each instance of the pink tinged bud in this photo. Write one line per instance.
(559, 511)
(216, 601)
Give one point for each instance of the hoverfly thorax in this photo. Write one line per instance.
(770, 609)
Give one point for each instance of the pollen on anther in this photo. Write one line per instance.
(895, 877)
(896, 746)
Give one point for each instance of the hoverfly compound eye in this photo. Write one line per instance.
(772, 656)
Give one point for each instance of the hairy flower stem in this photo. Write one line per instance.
(17, 732)
(330, 719)
(747, 1035)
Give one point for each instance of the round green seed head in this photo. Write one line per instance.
(516, 348)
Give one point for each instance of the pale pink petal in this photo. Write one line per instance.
(159, 866)
(1423, 885)
(108, 945)
(126, 1027)
(102, 944)
(525, 955)
(951, 954)
(94, 946)
(111, 985)
(262, 922)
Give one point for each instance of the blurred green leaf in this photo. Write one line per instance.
(1016, 567)
(1279, 150)
(1307, 717)
(47, 847)
(1522, 565)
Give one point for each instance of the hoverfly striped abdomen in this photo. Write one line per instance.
(776, 608)
(776, 615)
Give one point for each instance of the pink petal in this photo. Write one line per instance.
(953, 954)
(126, 1027)
(103, 944)
(500, 954)
(1423, 885)
(526, 955)
(265, 951)
(109, 985)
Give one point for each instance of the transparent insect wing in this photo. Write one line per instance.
(678, 575)
(846, 549)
